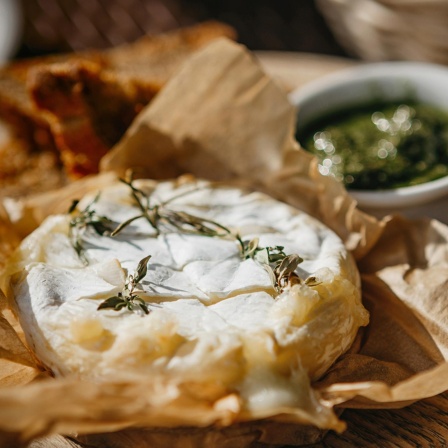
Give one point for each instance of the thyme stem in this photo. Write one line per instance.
(280, 266)
(128, 298)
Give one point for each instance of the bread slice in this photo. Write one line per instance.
(76, 106)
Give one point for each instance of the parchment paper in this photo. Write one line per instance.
(222, 118)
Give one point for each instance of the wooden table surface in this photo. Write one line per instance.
(423, 424)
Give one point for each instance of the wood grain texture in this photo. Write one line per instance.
(423, 424)
(54, 442)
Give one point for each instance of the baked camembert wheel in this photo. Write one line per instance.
(198, 282)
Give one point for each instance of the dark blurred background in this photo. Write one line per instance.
(62, 25)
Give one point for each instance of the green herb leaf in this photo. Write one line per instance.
(288, 265)
(124, 224)
(250, 248)
(84, 219)
(114, 302)
(142, 269)
(142, 304)
(128, 298)
(72, 208)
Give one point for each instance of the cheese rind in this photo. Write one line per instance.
(214, 317)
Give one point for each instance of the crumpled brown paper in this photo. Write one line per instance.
(222, 118)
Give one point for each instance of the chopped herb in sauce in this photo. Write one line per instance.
(381, 146)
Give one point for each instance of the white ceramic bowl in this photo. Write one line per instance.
(394, 81)
(10, 28)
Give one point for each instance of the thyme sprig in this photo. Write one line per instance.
(84, 219)
(264, 255)
(280, 266)
(128, 298)
(283, 273)
(159, 216)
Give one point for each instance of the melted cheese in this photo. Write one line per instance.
(214, 317)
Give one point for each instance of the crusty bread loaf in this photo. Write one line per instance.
(75, 107)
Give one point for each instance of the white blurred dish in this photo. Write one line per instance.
(390, 81)
(390, 30)
(10, 28)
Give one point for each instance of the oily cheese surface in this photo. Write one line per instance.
(214, 316)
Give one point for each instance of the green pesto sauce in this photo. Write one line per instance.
(381, 146)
